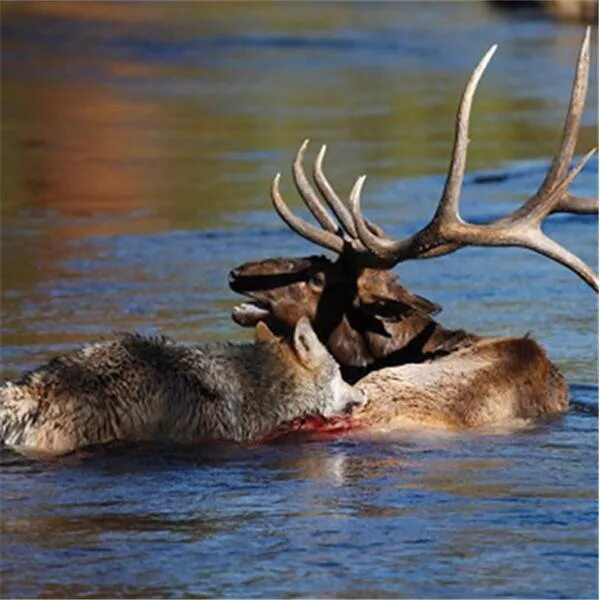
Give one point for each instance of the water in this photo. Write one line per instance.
(138, 146)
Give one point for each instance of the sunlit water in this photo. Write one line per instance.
(138, 145)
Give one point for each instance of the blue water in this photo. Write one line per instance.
(138, 147)
(460, 516)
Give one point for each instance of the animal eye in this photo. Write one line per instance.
(317, 280)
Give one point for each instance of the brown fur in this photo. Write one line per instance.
(365, 317)
(134, 388)
(494, 382)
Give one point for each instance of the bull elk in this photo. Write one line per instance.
(374, 326)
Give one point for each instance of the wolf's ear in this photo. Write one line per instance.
(262, 333)
(309, 349)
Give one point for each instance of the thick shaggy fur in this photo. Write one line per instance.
(136, 388)
(494, 382)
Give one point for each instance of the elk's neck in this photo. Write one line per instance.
(361, 340)
(337, 298)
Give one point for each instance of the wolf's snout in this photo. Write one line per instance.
(345, 399)
(358, 400)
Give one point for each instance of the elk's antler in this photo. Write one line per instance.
(341, 237)
(448, 232)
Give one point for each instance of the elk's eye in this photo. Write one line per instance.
(317, 280)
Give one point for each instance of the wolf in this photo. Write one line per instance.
(135, 388)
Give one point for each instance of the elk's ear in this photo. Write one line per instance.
(262, 333)
(307, 346)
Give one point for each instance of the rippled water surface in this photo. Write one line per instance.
(138, 144)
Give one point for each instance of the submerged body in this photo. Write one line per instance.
(493, 382)
(133, 388)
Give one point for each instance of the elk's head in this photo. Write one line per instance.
(284, 289)
(362, 315)
(356, 305)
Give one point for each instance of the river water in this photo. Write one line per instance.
(138, 144)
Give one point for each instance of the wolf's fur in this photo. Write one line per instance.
(495, 382)
(136, 388)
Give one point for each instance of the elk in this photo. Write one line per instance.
(357, 306)
(368, 321)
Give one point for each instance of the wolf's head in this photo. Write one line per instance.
(337, 398)
(319, 388)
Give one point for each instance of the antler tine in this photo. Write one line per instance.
(381, 247)
(323, 238)
(344, 240)
(545, 204)
(448, 206)
(339, 207)
(336, 205)
(548, 247)
(533, 238)
(566, 148)
(307, 193)
(574, 204)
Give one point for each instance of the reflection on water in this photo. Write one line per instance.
(137, 149)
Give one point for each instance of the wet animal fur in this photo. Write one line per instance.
(493, 383)
(137, 388)
(415, 372)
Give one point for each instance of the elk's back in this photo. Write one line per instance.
(494, 382)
